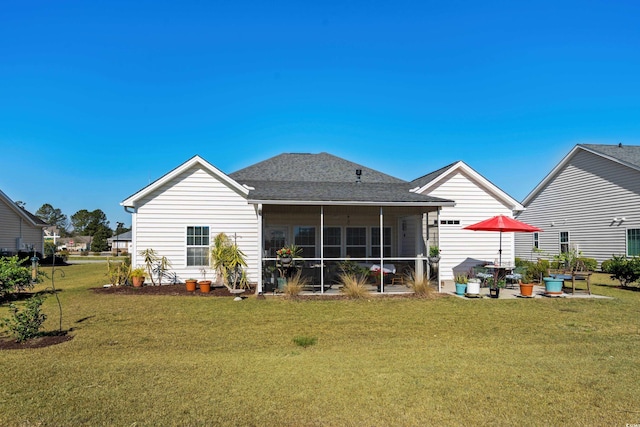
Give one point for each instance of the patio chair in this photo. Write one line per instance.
(514, 277)
(483, 274)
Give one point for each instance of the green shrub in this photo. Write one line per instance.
(25, 324)
(624, 270)
(305, 341)
(605, 266)
(590, 264)
(13, 276)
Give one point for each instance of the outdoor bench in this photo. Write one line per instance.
(573, 276)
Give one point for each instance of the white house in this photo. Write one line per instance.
(334, 209)
(476, 199)
(20, 231)
(590, 201)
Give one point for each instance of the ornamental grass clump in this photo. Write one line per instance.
(354, 286)
(295, 285)
(421, 286)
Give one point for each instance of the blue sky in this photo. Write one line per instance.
(98, 98)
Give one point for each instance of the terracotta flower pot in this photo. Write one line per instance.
(205, 286)
(526, 289)
(137, 281)
(191, 285)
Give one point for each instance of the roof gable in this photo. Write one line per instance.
(429, 182)
(23, 213)
(302, 167)
(628, 156)
(194, 161)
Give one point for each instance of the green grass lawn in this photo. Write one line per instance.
(143, 360)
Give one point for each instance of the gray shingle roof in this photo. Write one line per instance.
(325, 178)
(626, 153)
(322, 167)
(337, 192)
(425, 179)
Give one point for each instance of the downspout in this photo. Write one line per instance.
(134, 241)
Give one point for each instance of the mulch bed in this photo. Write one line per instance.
(175, 290)
(39, 342)
(181, 290)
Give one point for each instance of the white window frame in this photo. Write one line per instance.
(204, 243)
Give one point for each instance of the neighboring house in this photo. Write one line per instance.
(332, 208)
(121, 242)
(476, 199)
(20, 231)
(75, 243)
(590, 201)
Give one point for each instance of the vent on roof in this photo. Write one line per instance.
(620, 145)
(358, 175)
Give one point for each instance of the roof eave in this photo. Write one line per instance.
(447, 203)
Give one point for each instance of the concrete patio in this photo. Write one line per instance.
(449, 288)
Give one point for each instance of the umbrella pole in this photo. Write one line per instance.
(500, 251)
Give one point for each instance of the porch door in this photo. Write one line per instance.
(408, 235)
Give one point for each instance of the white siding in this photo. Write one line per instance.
(462, 249)
(196, 198)
(583, 199)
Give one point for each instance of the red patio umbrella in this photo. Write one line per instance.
(502, 224)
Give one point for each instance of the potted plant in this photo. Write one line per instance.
(137, 277)
(526, 283)
(191, 284)
(494, 290)
(473, 286)
(204, 284)
(434, 254)
(461, 284)
(553, 285)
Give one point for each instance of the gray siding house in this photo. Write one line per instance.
(20, 231)
(590, 201)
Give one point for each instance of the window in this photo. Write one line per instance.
(274, 239)
(305, 238)
(449, 222)
(633, 242)
(197, 246)
(375, 241)
(564, 241)
(332, 242)
(536, 240)
(356, 244)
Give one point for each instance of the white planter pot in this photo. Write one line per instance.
(473, 288)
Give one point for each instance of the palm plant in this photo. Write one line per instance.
(149, 257)
(228, 261)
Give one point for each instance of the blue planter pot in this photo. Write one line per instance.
(552, 285)
(461, 288)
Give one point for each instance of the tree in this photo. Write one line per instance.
(53, 216)
(92, 224)
(99, 242)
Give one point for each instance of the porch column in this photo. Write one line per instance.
(321, 249)
(438, 243)
(260, 250)
(381, 250)
(425, 243)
